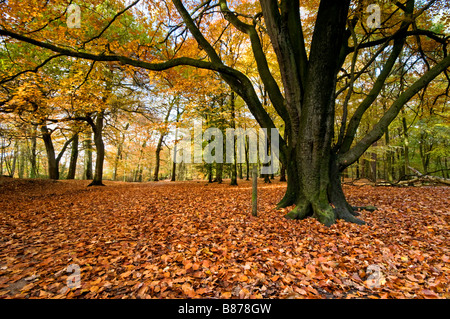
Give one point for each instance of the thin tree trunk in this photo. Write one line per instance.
(138, 174)
(119, 152)
(389, 158)
(34, 170)
(219, 172)
(73, 157)
(373, 165)
(210, 179)
(255, 191)
(247, 159)
(233, 125)
(161, 140)
(157, 157)
(100, 150)
(53, 171)
(87, 174)
(406, 143)
(16, 154)
(21, 163)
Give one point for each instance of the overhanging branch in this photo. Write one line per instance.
(378, 130)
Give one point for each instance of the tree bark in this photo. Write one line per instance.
(174, 172)
(373, 165)
(319, 193)
(87, 174)
(233, 125)
(119, 151)
(53, 171)
(73, 158)
(21, 169)
(100, 150)
(157, 157)
(255, 190)
(52, 159)
(161, 138)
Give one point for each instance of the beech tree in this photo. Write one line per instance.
(313, 70)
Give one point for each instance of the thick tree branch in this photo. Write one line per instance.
(123, 59)
(378, 85)
(284, 42)
(440, 38)
(266, 76)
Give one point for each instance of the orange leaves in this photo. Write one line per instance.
(173, 240)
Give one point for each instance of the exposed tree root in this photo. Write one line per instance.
(95, 183)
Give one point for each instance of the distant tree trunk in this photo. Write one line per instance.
(233, 125)
(157, 157)
(357, 169)
(53, 171)
(34, 170)
(406, 142)
(100, 148)
(174, 172)
(446, 172)
(52, 159)
(210, 179)
(21, 169)
(247, 159)
(255, 191)
(161, 139)
(389, 158)
(174, 162)
(119, 152)
(2, 154)
(219, 172)
(139, 169)
(424, 149)
(87, 174)
(373, 165)
(16, 154)
(73, 158)
(266, 176)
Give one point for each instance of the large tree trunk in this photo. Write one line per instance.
(314, 183)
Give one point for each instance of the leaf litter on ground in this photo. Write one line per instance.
(198, 240)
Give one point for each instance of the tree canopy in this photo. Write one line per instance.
(334, 76)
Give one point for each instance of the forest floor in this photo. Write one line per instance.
(199, 240)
